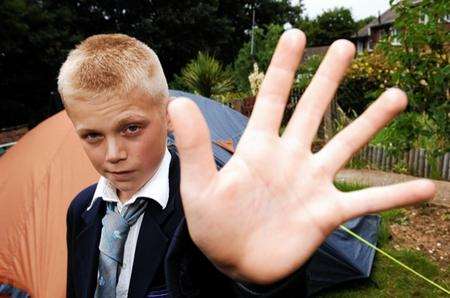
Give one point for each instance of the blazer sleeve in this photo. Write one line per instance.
(70, 290)
(73, 223)
(190, 274)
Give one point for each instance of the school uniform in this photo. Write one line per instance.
(160, 259)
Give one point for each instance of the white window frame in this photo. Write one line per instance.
(369, 45)
(424, 19)
(360, 46)
(394, 37)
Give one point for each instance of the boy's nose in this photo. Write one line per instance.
(114, 152)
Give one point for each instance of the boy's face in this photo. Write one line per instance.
(124, 137)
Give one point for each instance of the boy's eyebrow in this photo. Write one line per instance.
(126, 120)
(130, 118)
(83, 131)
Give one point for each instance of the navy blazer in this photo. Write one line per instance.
(165, 256)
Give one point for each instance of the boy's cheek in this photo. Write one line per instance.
(95, 157)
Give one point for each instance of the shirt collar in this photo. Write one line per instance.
(156, 188)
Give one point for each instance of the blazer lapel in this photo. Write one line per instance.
(150, 251)
(153, 242)
(87, 251)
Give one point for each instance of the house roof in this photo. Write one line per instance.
(314, 51)
(387, 17)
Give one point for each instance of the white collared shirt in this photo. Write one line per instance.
(157, 188)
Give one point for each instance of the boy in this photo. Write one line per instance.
(255, 221)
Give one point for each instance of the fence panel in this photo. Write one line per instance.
(416, 161)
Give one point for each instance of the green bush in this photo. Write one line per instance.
(265, 41)
(205, 76)
(364, 82)
(306, 72)
(419, 64)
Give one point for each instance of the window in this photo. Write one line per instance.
(360, 46)
(394, 37)
(423, 19)
(369, 45)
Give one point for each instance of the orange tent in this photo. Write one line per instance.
(39, 177)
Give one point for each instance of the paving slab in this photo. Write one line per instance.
(380, 178)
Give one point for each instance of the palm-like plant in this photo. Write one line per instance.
(206, 76)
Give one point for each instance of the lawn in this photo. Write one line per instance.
(389, 279)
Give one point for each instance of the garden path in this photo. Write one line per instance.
(379, 178)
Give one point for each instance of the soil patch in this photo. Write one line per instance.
(424, 228)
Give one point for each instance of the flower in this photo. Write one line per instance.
(255, 78)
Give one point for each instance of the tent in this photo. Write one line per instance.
(41, 174)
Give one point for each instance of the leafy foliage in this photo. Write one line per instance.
(205, 76)
(306, 72)
(327, 27)
(35, 37)
(420, 66)
(265, 41)
(366, 79)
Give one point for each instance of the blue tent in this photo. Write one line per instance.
(224, 124)
(341, 257)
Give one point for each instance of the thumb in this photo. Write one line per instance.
(194, 146)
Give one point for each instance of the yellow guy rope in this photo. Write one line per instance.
(393, 259)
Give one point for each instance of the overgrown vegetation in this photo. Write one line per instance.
(37, 35)
(413, 57)
(332, 24)
(387, 278)
(204, 76)
(419, 63)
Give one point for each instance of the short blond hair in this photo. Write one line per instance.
(111, 64)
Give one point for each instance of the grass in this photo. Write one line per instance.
(389, 279)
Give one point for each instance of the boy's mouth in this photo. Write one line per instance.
(122, 175)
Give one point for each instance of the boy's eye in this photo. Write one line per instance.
(92, 137)
(132, 129)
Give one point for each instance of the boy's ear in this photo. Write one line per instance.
(169, 121)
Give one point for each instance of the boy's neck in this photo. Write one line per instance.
(124, 196)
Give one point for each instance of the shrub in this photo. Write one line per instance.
(204, 76)
(420, 65)
(366, 79)
(265, 41)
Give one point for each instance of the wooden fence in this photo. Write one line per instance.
(415, 161)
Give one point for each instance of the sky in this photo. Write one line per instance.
(359, 8)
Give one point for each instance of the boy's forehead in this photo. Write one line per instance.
(112, 112)
(136, 96)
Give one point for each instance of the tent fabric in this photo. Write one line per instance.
(41, 174)
(343, 258)
(11, 291)
(223, 122)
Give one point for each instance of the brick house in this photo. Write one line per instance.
(368, 36)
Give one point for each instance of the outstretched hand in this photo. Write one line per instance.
(268, 209)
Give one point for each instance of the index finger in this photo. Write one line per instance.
(272, 96)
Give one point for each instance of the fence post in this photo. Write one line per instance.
(426, 173)
(445, 167)
(410, 160)
(421, 162)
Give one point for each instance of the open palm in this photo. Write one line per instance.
(267, 210)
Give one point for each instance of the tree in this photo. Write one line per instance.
(419, 62)
(363, 22)
(329, 26)
(334, 24)
(35, 37)
(264, 44)
(33, 40)
(205, 76)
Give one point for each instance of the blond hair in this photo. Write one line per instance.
(111, 64)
